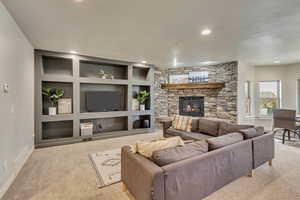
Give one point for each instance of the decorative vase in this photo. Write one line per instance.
(142, 107)
(135, 104)
(52, 110)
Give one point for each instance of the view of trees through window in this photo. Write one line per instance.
(269, 96)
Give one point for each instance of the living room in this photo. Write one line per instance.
(144, 100)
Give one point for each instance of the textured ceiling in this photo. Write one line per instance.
(256, 31)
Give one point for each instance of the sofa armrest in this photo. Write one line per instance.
(166, 125)
(143, 178)
(199, 176)
(263, 149)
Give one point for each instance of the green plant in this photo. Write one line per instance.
(105, 75)
(53, 94)
(143, 96)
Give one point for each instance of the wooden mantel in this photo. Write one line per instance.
(213, 85)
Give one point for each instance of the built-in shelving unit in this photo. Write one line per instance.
(79, 75)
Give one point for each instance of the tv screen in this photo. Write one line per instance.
(104, 101)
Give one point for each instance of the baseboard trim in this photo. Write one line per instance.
(19, 164)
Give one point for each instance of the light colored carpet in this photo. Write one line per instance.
(64, 173)
(107, 165)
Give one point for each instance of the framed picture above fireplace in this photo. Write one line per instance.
(198, 76)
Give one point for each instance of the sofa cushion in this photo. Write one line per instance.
(195, 125)
(226, 128)
(147, 148)
(252, 132)
(225, 140)
(170, 155)
(210, 127)
(187, 135)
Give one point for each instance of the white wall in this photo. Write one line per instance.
(288, 74)
(245, 73)
(16, 106)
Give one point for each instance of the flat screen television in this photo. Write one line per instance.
(104, 101)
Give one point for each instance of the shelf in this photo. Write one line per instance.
(55, 78)
(140, 121)
(142, 83)
(104, 81)
(135, 91)
(91, 69)
(146, 112)
(57, 130)
(193, 86)
(57, 66)
(56, 118)
(94, 115)
(68, 93)
(107, 125)
(140, 73)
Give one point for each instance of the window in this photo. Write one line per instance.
(247, 98)
(269, 96)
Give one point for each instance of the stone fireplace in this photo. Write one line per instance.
(191, 106)
(217, 103)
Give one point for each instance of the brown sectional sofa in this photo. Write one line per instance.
(203, 129)
(198, 169)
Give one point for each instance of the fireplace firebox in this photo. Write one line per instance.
(191, 106)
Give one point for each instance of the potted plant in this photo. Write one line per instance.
(142, 97)
(105, 75)
(54, 95)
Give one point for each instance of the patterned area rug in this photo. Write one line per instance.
(108, 166)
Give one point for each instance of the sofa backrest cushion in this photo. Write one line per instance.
(170, 155)
(225, 128)
(210, 127)
(225, 140)
(252, 132)
(147, 148)
(195, 125)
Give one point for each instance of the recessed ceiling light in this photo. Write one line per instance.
(144, 62)
(277, 61)
(73, 52)
(206, 32)
(78, 1)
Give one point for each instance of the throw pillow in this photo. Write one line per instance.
(182, 123)
(147, 148)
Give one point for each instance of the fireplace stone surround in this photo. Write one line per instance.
(218, 103)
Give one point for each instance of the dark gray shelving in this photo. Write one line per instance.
(77, 74)
(57, 66)
(141, 73)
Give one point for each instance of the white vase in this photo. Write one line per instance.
(142, 107)
(52, 110)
